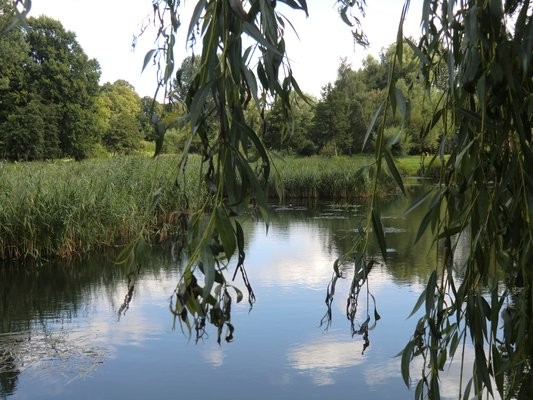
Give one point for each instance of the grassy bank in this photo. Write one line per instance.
(68, 208)
(338, 177)
(65, 208)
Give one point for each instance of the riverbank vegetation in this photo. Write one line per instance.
(67, 209)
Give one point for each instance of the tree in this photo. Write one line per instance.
(47, 71)
(123, 132)
(484, 194)
(64, 76)
(339, 125)
(294, 138)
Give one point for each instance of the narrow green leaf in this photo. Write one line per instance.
(443, 356)
(198, 103)
(393, 170)
(454, 343)
(208, 269)
(466, 393)
(254, 32)
(297, 5)
(417, 52)
(399, 35)
(419, 302)
(225, 231)
(437, 115)
(462, 153)
(480, 367)
(430, 293)
(195, 17)
(371, 125)
(380, 235)
(448, 232)
(239, 294)
(299, 91)
(406, 360)
(344, 16)
(251, 82)
(421, 200)
(419, 389)
(401, 103)
(239, 234)
(147, 58)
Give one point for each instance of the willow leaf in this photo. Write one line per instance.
(406, 359)
(195, 17)
(225, 231)
(419, 303)
(380, 235)
(393, 170)
(148, 57)
(371, 125)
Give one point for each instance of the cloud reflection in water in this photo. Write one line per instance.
(323, 357)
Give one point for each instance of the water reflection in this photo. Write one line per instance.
(60, 335)
(324, 356)
(54, 322)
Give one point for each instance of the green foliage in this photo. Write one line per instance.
(122, 133)
(484, 196)
(48, 75)
(236, 164)
(66, 209)
(339, 126)
(339, 178)
(278, 135)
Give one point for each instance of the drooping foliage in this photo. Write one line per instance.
(478, 54)
(485, 195)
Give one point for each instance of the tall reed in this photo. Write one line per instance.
(330, 178)
(66, 208)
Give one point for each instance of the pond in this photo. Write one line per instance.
(62, 336)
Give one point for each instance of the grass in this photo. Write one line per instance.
(337, 177)
(66, 209)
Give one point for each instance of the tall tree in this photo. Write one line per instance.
(293, 138)
(123, 133)
(339, 126)
(45, 65)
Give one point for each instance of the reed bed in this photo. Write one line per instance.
(327, 178)
(64, 209)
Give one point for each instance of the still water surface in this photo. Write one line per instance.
(61, 336)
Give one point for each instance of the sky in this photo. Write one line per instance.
(105, 30)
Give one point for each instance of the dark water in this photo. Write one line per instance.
(61, 337)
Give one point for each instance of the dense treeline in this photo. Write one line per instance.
(338, 122)
(52, 106)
